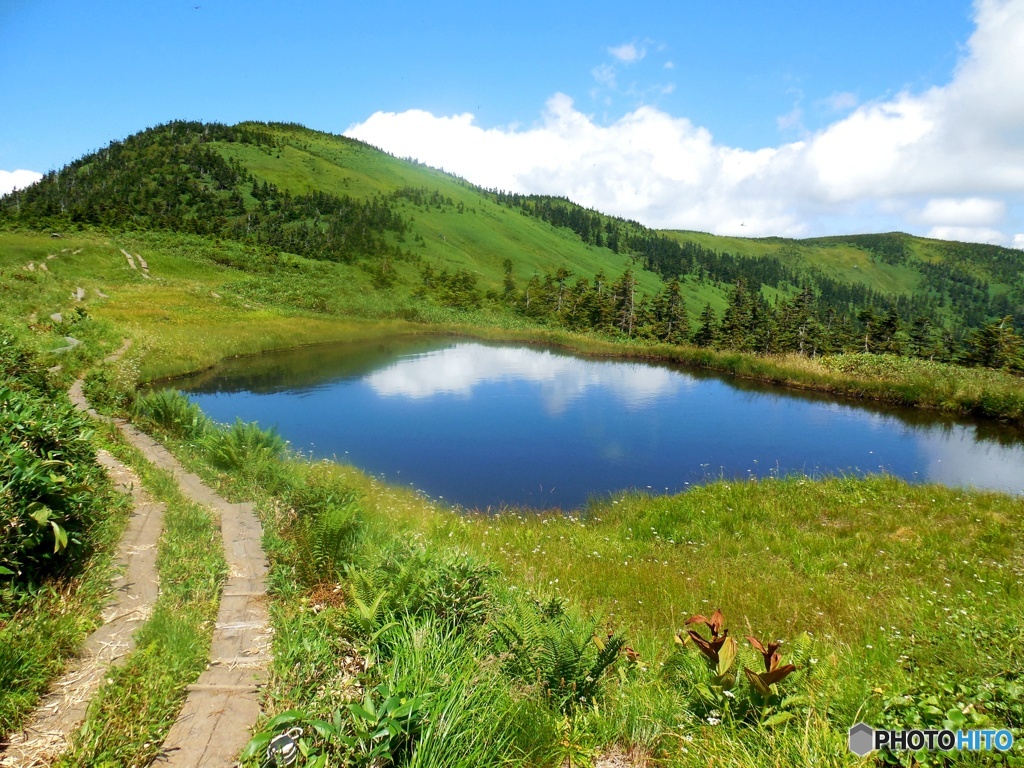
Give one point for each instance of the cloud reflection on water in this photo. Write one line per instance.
(458, 370)
(956, 458)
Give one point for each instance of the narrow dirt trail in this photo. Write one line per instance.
(62, 710)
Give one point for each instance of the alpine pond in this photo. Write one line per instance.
(487, 425)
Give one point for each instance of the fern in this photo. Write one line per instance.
(242, 447)
(172, 410)
(336, 532)
(558, 650)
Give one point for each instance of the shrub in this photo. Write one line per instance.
(112, 388)
(448, 586)
(328, 542)
(401, 583)
(20, 368)
(243, 447)
(51, 489)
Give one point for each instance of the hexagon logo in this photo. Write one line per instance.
(862, 739)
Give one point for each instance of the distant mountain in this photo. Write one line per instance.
(329, 198)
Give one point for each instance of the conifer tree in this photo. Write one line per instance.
(669, 322)
(624, 293)
(997, 345)
(707, 330)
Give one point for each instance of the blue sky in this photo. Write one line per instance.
(736, 117)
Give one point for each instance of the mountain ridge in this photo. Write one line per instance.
(288, 188)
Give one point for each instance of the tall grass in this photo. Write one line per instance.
(59, 524)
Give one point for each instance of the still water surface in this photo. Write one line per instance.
(486, 424)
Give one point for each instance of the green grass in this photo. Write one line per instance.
(202, 306)
(60, 520)
(478, 239)
(838, 260)
(908, 598)
(901, 593)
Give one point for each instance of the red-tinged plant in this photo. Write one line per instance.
(720, 649)
(718, 699)
(773, 673)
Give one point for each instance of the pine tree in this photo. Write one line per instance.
(891, 339)
(669, 321)
(800, 330)
(509, 283)
(707, 330)
(869, 329)
(736, 329)
(624, 293)
(997, 345)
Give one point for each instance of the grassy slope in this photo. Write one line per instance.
(840, 261)
(194, 311)
(908, 593)
(772, 554)
(478, 240)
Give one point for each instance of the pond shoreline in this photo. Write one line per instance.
(482, 423)
(955, 390)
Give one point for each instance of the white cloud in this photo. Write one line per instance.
(956, 149)
(628, 53)
(606, 75)
(1018, 241)
(840, 102)
(12, 180)
(972, 211)
(968, 234)
(793, 120)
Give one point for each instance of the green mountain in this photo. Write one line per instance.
(354, 223)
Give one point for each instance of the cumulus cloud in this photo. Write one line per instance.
(950, 159)
(972, 211)
(628, 53)
(968, 234)
(12, 180)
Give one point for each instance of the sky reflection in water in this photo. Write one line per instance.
(482, 425)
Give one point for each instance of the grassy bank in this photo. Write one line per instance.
(60, 520)
(206, 301)
(531, 638)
